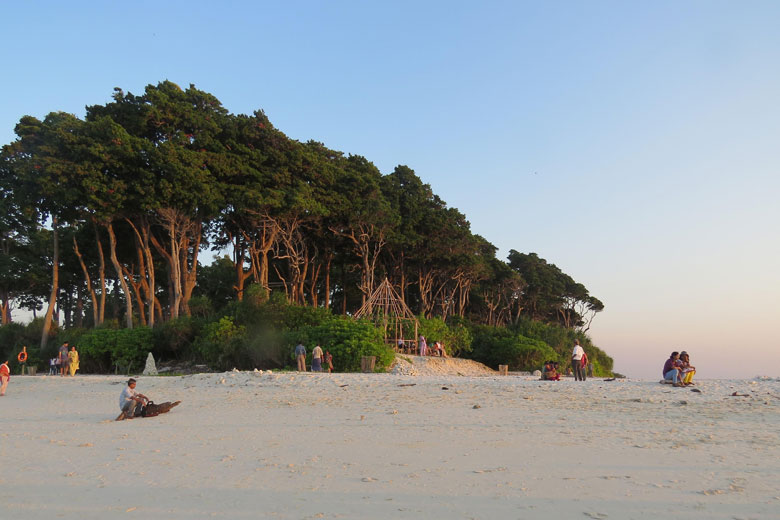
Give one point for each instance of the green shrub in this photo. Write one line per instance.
(561, 340)
(264, 348)
(454, 334)
(174, 339)
(12, 338)
(276, 312)
(498, 346)
(100, 350)
(221, 343)
(346, 339)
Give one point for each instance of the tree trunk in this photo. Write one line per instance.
(136, 286)
(5, 308)
(55, 285)
(122, 281)
(102, 272)
(367, 243)
(87, 278)
(146, 266)
(329, 259)
(239, 254)
(189, 264)
(79, 307)
(182, 264)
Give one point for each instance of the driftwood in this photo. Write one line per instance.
(151, 409)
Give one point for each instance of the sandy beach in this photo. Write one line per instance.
(288, 445)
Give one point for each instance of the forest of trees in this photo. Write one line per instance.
(104, 221)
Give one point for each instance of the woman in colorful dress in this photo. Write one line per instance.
(73, 361)
(688, 370)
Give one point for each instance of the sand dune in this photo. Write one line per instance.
(288, 445)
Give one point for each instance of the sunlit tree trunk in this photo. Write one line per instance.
(120, 276)
(55, 281)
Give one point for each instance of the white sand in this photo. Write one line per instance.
(243, 445)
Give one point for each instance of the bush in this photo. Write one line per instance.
(265, 348)
(561, 340)
(221, 343)
(347, 340)
(174, 339)
(497, 346)
(257, 310)
(453, 334)
(102, 349)
(12, 337)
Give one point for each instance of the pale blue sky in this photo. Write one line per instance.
(633, 144)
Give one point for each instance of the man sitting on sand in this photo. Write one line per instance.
(671, 371)
(130, 401)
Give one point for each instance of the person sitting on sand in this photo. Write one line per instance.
(672, 372)
(545, 369)
(131, 402)
(687, 369)
(550, 372)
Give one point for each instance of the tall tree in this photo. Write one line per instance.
(364, 216)
(181, 159)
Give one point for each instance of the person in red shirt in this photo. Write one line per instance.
(5, 376)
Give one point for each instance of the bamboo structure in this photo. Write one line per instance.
(386, 309)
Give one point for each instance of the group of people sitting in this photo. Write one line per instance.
(550, 371)
(678, 369)
(423, 348)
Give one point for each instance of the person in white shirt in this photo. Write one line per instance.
(576, 361)
(316, 359)
(130, 401)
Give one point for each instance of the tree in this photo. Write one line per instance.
(181, 160)
(552, 295)
(364, 216)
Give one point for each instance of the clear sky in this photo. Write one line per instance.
(636, 145)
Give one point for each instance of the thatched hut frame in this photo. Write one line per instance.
(388, 310)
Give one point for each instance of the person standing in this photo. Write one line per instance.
(130, 401)
(73, 361)
(585, 362)
(300, 355)
(62, 357)
(423, 345)
(5, 376)
(316, 359)
(576, 361)
(53, 366)
(329, 361)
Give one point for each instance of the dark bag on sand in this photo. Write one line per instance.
(151, 409)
